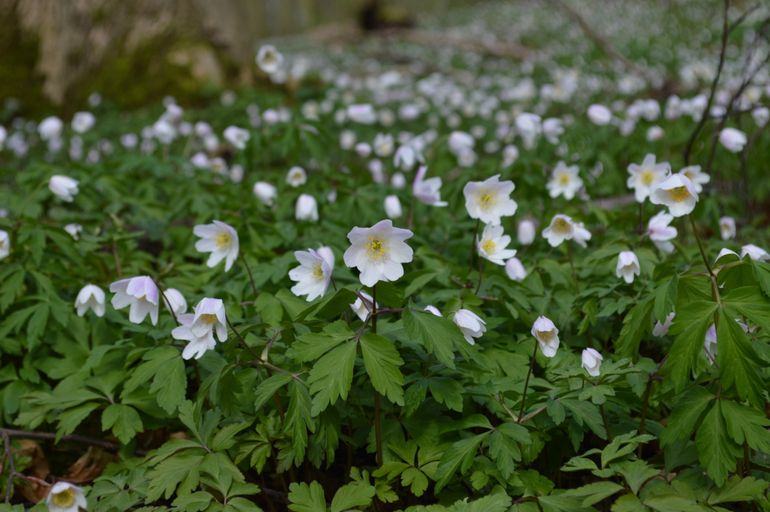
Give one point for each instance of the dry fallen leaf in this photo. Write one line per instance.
(89, 466)
(37, 467)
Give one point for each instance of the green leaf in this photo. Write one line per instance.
(306, 498)
(269, 308)
(762, 274)
(268, 387)
(665, 298)
(737, 359)
(298, 419)
(738, 489)
(194, 502)
(636, 473)
(311, 346)
(716, 451)
(595, 492)
(447, 391)
(415, 480)
(357, 494)
(636, 324)
(458, 456)
(438, 335)
(748, 425)
(332, 376)
(689, 330)
(71, 418)
(382, 360)
(164, 368)
(686, 415)
(123, 420)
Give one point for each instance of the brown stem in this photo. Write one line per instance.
(49, 436)
(251, 277)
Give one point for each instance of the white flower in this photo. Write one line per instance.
(238, 137)
(3, 135)
(525, 231)
(646, 176)
(392, 207)
(265, 192)
(564, 181)
(362, 113)
(582, 235)
(83, 121)
(492, 245)
(432, 310)
(754, 252)
(655, 133)
(221, 240)
(547, 336)
(591, 361)
(710, 343)
(65, 497)
(383, 144)
(405, 157)
(471, 325)
(175, 301)
(363, 308)
(200, 326)
(561, 228)
(269, 59)
(661, 329)
(510, 155)
(761, 115)
(347, 139)
(727, 228)
(50, 128)
(306, 208)
(660, 232)
(141, 294)
(73, 230)
(296, 176)
(628, 266)
(678, 193)
(515, 270)
(398, 180)
(733, 140)
(63, 187)
(314, 273)
(363, 149)
(5, 244)
(599, 115)
(378, 252)
(90, 297)
(427, 191)
(460, 142)
(529, 126)
(553, 129)
(489, 200)
(698, 177)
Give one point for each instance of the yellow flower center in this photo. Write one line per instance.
(376, 249)
(488, 246)
(546, 336)
(563, 179)
(64, 499)
(208, 318)
(561, 225)
(689, 174)
(222, 240)
(679, 194)
(648, 176)
(318, 271)
(296, 176)
(486, 201)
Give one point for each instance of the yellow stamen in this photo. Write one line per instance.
(486, 201)
(376, 249)
(488, 246)
(561, 225)
(208, 318)
(563, 179)
(648, 176)
(318, 271)
(679, 194)
(64, 499)
(222, 240)
(546, 336)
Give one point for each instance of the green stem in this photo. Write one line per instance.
(526, 382)
(377, 405)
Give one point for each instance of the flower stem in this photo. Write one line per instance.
(377, 405)
(605, 421)
(700, 246)
(251, 277)
(473, 244)
(481, 275)
(526, 382)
